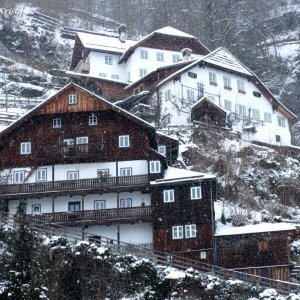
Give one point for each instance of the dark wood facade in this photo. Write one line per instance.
(184, 211)
(172, 147)
(265, 254)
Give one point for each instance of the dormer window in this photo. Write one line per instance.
(144, 54)
(72, 99)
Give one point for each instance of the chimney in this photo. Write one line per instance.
(122, 33)
(186, 54)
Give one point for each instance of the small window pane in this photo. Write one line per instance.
(72, 99)
(169, 196)
(73, 175)
(93, 120)
(41, 174)
(57, 123)
(25, 148)
(123, 141)
(155, 166)
(162, 149)
(177, 232)
(99, 204)
(125, 203)
(74, 206)
(36, 209)
(196, 192)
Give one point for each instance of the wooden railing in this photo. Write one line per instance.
(74, 185)
(101, 215)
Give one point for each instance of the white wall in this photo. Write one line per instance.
(179, 107)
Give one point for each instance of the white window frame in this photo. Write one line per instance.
(68, 142)
(227, 105)
(34, 207)
(125, 202)
(72, 98)
(175, 58)
(162, 149)
(115, 76)
(196, 192)
(255, 114)
(227, 82)
(99, 204)
(102, 75)
(154, 166)
(103, 173)
(82, 140)
(73, 175)
(268, 117)
(93, 120)
(19, 176)
(212, 78)
(108, 60)
(142, 72)
(190, 231)
(160, 56)
(190, 94)
(168, 95)
(169, 196)
(281, 121)
(143, 54)
(41, 174)
(126, 171)
(25, 148)
(124, 141)
(56, 123)
(241, 110)
(177, 232)
(241, 86)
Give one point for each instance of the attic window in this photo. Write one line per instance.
(256, 94)
(192, 75)
(72, 99)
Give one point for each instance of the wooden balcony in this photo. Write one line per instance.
(80, 186)
(102, 216)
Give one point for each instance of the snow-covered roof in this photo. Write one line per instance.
(173, 31)
(178, 175)
(258, 228)
(104, 43)
(223, 58)
(210, 101)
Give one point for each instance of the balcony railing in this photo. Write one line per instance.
(74, 185)
(102, 216)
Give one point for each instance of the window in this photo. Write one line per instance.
(160, 56)
(19, 176)
(125, 203)
(57, 123)
(227, 104)
(175, 58)
(169, 196)
(102, 173)
(255, 114)
(124, 141)
(25, 148)
(93, 120)
(212, 78)
(102, 75)
(125, 171)
(256, 94)
(68, 142)
(82, 140)
(155, 166)
(227, 82)
(241, 86)
(73, 175)
(241, 109)
(196, 192)
(190, 94)
(144, 54)
(162, 149)
(99, 204)
(277, 138)
(143, 72)
(190, 231)
(35, 209)
(168, 95)
(192, 75)
(115, 76)
(108, 60)
(41, 174)
(268, 117)
(74, 206)
(203, 255)
(281, 121)
(72, 99)
(177, 232)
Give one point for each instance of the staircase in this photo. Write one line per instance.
(163, 258)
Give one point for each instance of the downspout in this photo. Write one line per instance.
(215, 253)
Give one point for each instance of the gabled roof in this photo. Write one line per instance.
(222, 59)
(170, 31)
(109, 105)
(205, 99)
(104, 43)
